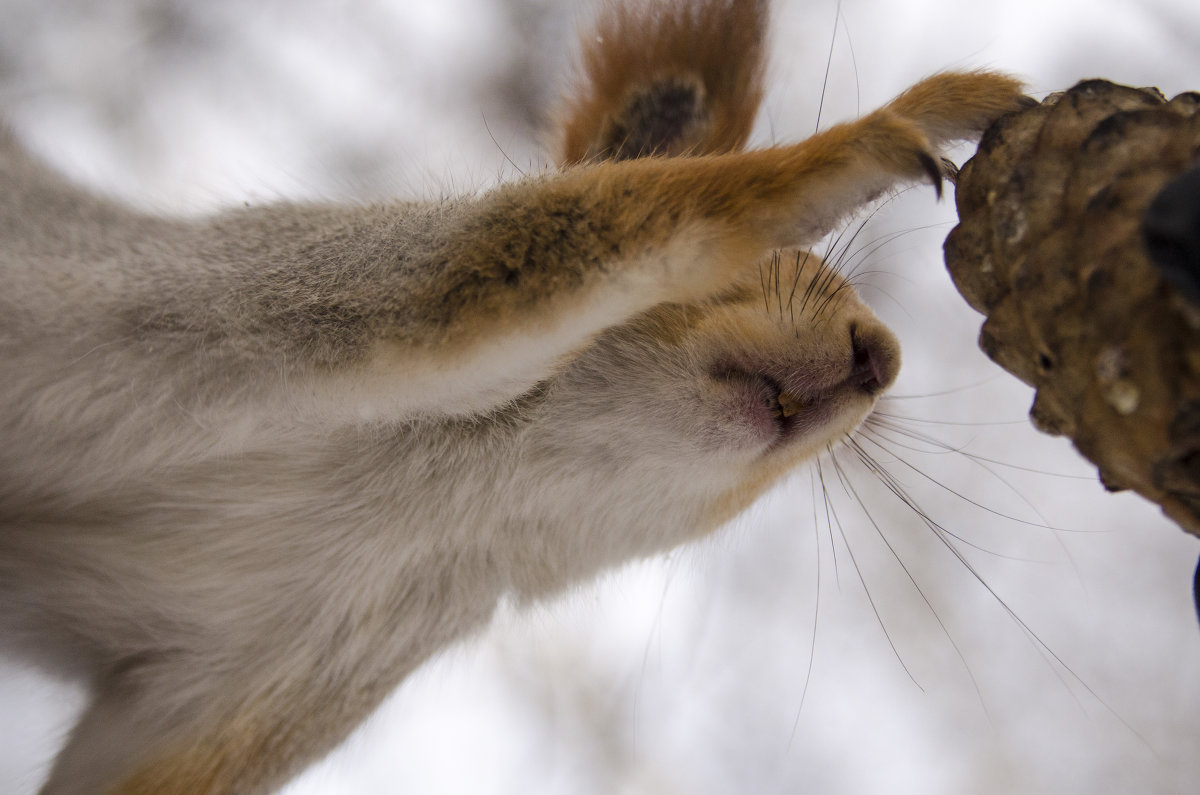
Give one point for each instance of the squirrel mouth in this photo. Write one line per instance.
(773, 401)
(762, 402)
(787, 410)
(775, 415)
(785, 404)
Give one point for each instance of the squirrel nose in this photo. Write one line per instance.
(875, 358)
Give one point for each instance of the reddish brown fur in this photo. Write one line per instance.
(718, 43)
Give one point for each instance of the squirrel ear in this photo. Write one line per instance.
(683, 78)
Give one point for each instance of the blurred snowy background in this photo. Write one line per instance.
(754, 662)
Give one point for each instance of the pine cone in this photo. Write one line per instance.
(1051, 248)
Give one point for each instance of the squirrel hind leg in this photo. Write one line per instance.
(668, 116)
(681, 79)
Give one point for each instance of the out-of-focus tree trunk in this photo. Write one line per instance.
(1051, 248)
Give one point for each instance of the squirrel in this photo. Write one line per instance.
(257, 467)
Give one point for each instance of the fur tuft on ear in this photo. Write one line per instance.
(676, 80)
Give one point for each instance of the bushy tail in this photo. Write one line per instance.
(662, 78)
